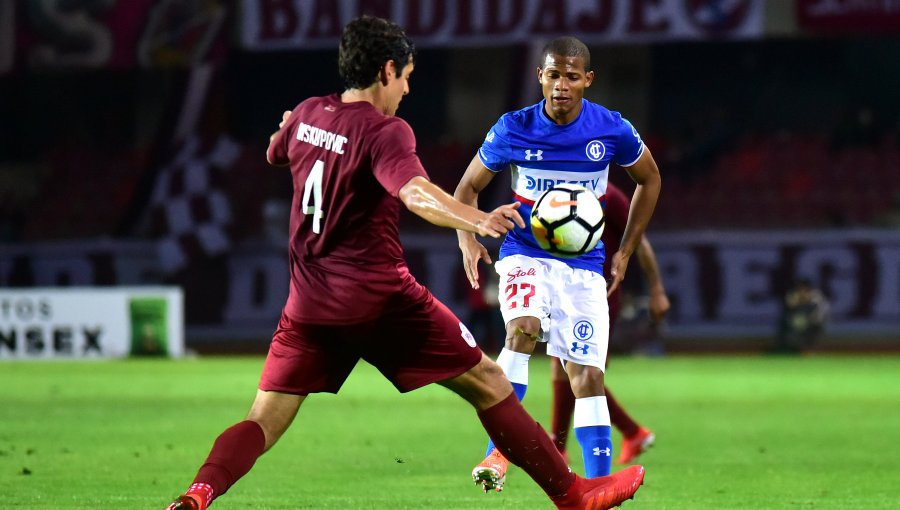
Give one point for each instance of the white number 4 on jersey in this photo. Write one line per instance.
(313, 189)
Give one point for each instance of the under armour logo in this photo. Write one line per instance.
(605, 451)
(536, 155)
(584, 348)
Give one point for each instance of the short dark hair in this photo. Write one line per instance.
(567, 47)
(367, 44)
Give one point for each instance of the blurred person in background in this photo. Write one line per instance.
(484, 320)
(804, 314)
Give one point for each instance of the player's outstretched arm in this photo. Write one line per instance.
(646, 174)
(474, 180)
(430, 202)
(659, 301)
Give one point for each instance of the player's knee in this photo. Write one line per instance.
(586, 381)
(272, 431)
(274, 413)
(522, 334)
(486, 372)
(484, 385)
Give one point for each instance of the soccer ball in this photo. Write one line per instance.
(567, 220)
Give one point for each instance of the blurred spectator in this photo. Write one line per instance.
(485, 321)
(803, 318)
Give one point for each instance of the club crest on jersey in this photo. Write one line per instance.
(595, 150)
(534, 155)
(583, 330)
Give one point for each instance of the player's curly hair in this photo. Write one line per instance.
(567, 47)
(366, 45)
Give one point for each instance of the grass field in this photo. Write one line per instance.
(733, 433)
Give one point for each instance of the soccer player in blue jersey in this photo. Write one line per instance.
(563, 138)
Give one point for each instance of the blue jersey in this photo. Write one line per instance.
(541, 153)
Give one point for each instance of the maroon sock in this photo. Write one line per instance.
(563, 406)
(619, 418)
(524, 442)
(233, 454)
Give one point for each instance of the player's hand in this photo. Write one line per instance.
(284, 117)
(472, 252)
(659, 305)
(501, 220)
(616, 272)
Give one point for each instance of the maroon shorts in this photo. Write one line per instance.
(413, 346)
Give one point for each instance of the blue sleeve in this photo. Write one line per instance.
(630, 146)
(494, 151)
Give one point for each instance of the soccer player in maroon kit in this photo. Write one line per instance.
(351, 294)
(635, 438)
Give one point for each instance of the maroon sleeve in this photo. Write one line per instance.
(617, 207)
(277, 153)
(394, 159)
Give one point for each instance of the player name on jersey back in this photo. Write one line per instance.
(320, 138)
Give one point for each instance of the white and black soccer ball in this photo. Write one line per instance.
(567, 220)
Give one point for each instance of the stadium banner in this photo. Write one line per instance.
(116, 34)
(91, 322)
(733, 282)
(124, 34)
(849, 16)
(727, 284)
(305, 24)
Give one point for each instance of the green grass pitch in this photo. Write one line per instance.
(732, 433)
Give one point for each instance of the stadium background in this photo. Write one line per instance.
(133, 134)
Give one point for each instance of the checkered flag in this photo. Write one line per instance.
(191, 210)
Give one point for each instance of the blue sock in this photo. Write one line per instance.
(596, 449)
(515, 366)
(592, 429)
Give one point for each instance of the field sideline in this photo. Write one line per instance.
(733, 433)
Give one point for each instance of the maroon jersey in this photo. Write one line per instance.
(616, 212)
(348, 162)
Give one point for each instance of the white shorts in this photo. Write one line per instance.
(570, 303)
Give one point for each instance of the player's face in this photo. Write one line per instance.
(397, 87)
(563, 80)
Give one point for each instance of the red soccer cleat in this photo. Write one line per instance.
(187, 502)
(604, 492)
(635, 445)
(491, 473)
